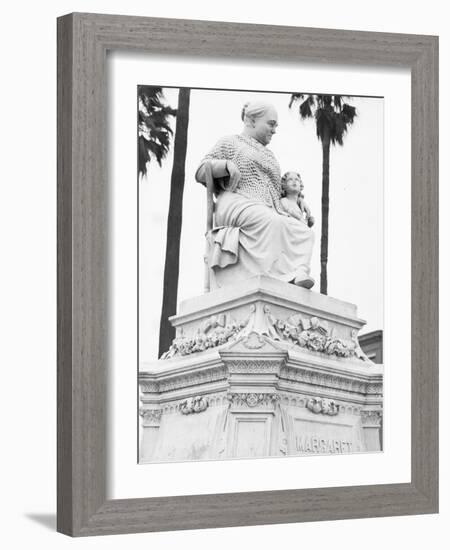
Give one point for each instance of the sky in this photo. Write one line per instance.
(355, 262)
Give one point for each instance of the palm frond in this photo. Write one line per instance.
(154, 128)
(324, 122)
(349, 113)
(339, 129)
(337, 100)
(305, 109)
(143, 156)
(295, 97)
(332, 115)
(158, 151)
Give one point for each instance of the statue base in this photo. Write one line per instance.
(261, 369)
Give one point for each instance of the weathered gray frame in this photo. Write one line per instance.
(83, 40)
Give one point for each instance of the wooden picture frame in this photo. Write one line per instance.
(83, 41)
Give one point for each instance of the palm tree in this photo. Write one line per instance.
(333, 117)
(153, 126)
(154, 141)
(174, 221)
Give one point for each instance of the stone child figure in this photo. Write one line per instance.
(293, 200)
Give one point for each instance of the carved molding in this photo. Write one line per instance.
(194, 378)
(283, 435)
(150, 416)
(334, 381)
(275, 366)
(374, 388)
(185, 380)
(261, 366)
(310, 333)
(301, 400)
(322, 406)
(214, 400)
(371, 419)
(195, 404)
(149, 386)
(253, 399)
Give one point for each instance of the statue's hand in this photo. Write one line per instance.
(235, 175)
(311, 221)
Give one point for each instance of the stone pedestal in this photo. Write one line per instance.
(261, 369)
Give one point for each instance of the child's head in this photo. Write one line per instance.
(291, 183)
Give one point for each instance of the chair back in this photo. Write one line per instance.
(209, 219)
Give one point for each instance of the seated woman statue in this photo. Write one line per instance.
(253, 233)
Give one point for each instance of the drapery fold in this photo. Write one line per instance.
(251, 238)
(223, 246)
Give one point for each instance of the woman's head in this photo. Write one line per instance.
(260, 120)
(291, 183)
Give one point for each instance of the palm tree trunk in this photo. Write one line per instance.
(325, 212)
(174, 221)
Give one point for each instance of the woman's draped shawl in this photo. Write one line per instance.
(260, 182)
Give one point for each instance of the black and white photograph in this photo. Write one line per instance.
(223, 240)
(260, 273)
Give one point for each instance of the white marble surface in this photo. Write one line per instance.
(262, 392)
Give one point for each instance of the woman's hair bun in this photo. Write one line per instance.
(244, 108)
(255, 109)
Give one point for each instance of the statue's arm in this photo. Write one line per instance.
(221, 154)
(309, 217)
(218, 167)
(303, 206)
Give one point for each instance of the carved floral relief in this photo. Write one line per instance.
(322, 406)
(311, 333)
(191, 405)
(253, 399)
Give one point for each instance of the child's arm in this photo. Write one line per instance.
(305, 208)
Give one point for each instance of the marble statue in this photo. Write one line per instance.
(258, 367)
(293, 199)
(253, 233)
